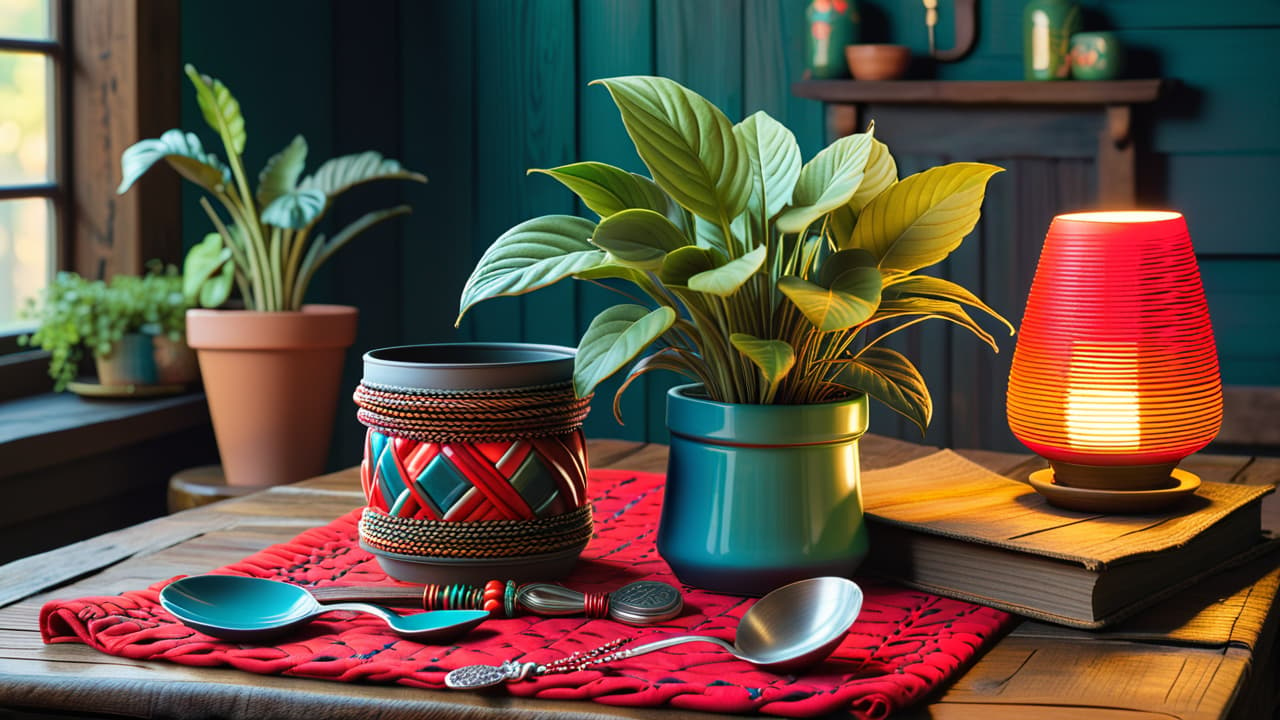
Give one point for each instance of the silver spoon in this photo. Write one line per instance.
(789, 629)
(233, 607)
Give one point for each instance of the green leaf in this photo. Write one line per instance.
(338, 175)
(611, 271)
(726, 279)
(295, 209)
(889, 377)
(608, 190)
(217, 289)
(933, 308)
(920, 220)
(775, 161)
(614, 338)
(280, 174)
(533, 254)
(851, 300)
(837, 264)
(686, 262)
(220, 109)
(687, 143)
(880, 173)
(183, 151)
(928, 286)
(827, 181)
(775, 358)
(204, 260)
(639, 238)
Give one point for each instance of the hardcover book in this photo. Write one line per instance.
(946, 525)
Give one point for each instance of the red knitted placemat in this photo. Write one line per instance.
(904, 645)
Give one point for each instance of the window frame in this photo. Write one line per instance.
(132, 47)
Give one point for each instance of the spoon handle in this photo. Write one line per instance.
(675, 640)
(410, 597)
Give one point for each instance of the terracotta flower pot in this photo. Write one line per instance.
(272, 380)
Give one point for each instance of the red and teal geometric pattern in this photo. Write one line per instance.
(509, 480)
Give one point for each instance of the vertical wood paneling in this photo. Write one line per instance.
(772, 59)
(438, 139)
(525, 83)
(614, 38)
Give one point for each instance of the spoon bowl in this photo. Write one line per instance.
(234, 607)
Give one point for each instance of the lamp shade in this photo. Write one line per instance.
(1115, 363)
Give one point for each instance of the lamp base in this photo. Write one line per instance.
(1113, 477)
(1179, 484)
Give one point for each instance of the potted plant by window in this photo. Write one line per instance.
(271, 370)
(770, 283)
(133, 326)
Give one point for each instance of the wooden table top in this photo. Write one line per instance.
(1206, 654)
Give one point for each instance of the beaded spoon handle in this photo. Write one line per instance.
(639, 603)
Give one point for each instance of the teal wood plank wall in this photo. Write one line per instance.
(475, 93)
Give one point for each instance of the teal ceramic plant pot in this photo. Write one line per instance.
(758, 496)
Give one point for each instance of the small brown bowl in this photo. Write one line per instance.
(877, 62)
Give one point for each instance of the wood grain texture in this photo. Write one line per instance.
(1028, 674)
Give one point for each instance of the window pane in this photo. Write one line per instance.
(25, 103)
(26, 255)
(26, 19)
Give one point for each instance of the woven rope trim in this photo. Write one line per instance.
(443, 416)
(482, 539)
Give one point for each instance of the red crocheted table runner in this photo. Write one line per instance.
(903, 646)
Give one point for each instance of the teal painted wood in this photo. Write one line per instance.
(1240, 294)
(614, 38)
(758, 496)
(438, 137)
(526, 118)
(1228, 201)
(772, 37)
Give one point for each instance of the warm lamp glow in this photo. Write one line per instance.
(1115, 363)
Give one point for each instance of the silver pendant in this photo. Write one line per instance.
(472, 677)
(645, 602)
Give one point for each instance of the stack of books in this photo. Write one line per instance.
(951, 527)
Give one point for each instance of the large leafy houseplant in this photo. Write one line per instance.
(768, 280)
(267, 245)
(75, 314)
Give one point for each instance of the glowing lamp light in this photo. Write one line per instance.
(1115, 373)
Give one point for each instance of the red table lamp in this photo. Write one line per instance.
(1115, 374)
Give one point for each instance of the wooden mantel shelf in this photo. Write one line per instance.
(964, 92)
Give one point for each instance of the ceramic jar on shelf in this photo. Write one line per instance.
(830, 25)
(1047, 27)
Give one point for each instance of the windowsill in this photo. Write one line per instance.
(40, 431)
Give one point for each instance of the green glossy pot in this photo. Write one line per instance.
(758, 496)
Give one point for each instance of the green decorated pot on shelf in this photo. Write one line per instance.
(1096, 56)
(1047, 27)
(758, 496)
(830, 25)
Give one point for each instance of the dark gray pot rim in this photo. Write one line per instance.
(469, 366)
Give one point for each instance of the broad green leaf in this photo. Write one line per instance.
(217, 289)
(614, 338)
(204, 260)
(851, 300)
(220, 109)
(611, 271)
(775, 161)
(889, 377)
(726, 279)
(926, 285)
(880, 173)
(686, 262)
(280, 174)
(183, 151)
(295, 209)
(933, 308)
(639, 238)
(533, 254)
(608, 190)
(827, 181)
(838, 263)
(687, 143)
(921, 219)
(342, 173)
(775, 358)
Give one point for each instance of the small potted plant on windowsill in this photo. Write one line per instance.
(134, 328)
(271, 370)
(771, 284)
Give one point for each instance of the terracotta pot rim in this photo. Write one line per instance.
(311, 328)
(310, 310)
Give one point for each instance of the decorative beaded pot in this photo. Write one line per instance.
(760, 496)
(475, 464)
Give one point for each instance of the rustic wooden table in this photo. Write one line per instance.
(1208, 654)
